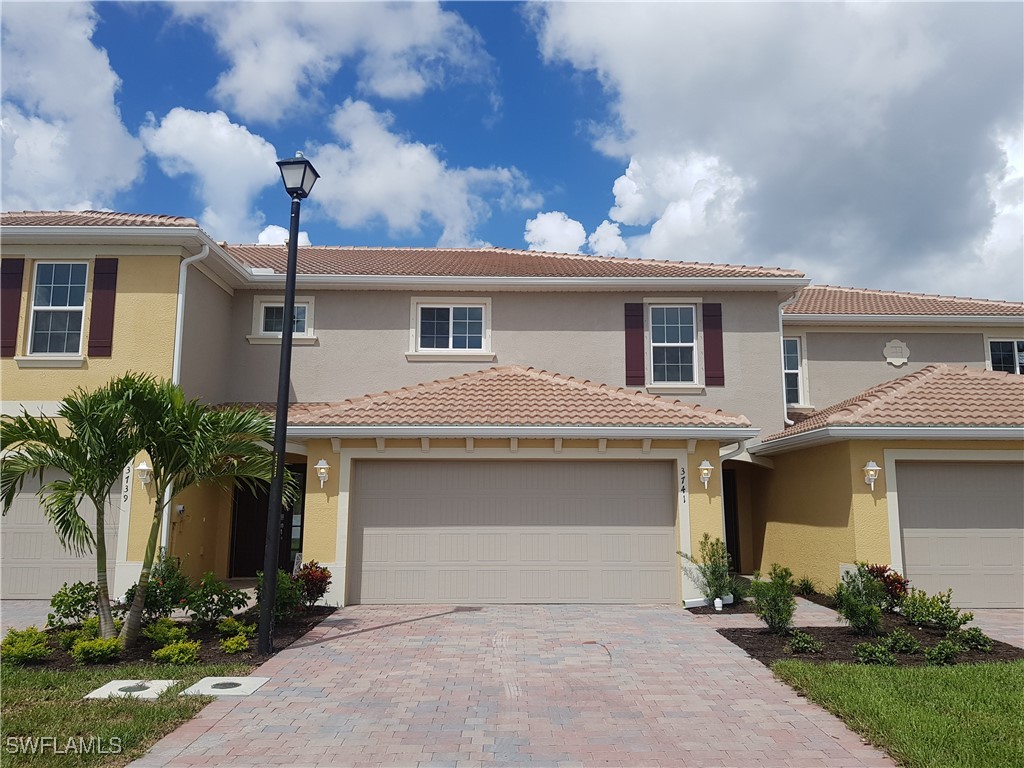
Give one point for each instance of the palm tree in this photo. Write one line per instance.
(92, 447)
(190, 443)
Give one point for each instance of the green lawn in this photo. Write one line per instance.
(39, 703)
(925, 717)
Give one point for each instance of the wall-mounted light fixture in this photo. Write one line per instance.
(871, 473)
(322, 468)
(145, 472)
(705, 472)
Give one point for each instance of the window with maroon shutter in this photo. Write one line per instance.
(12, 273)
(104, 291)
(714, 355)
(636, 373)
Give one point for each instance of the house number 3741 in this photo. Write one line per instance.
(682, 479)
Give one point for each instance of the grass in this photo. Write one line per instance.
(925, 717)
(48, 703)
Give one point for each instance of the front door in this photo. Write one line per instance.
(249, 528)
(732, 517)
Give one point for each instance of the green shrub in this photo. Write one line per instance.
(314, 580)
(24, 646)
(184, 652)
(774, 603)
(943, 653)
(972, 639)
(235, 644)
(167, 591)
(165, 631)
(920, 609)
(874, 653)
(805, 586)
(288, 598)
(90, 630)
(231, 626)
(98, 651)
(710, 573)
(740, 588)
(901, 641)
(213, 600)
(801, 642)
(73, 604)
(859, 598)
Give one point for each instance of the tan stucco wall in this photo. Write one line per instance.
(320, 528)
(705, 504)
(363, 337)
(201, 538)
(206, 339)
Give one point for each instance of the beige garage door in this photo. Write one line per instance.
(963, 529)
(513, 532)
(33, 564)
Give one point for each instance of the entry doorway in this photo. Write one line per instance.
(249, 527)
(732, 517)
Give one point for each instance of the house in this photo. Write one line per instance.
(494, 425)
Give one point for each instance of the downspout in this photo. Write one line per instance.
(782, 352)
(179, 332)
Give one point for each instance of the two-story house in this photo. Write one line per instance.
(492, 425)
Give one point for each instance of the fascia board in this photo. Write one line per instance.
(905, 320)
(612, 433)
(825, 435)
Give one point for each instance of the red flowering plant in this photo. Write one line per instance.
(314, 580)
(168, 589)
(895, 584)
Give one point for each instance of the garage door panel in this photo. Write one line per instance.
(525, 532)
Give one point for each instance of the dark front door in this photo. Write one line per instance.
(249, 528)
(732, 517)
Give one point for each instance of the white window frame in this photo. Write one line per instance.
(417, 303)
(801, 371)
(674, 387)
(259, 306)
(989, 340)
(69, 309)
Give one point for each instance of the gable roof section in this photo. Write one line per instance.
(91, 219)
(831, 304)
(513, 401)
(936, 401)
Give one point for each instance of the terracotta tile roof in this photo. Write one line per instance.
(481, 262)
(509, 396)
(832, 300)
(935, 396)
(91, 219)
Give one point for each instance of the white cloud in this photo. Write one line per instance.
(64, 145)
(607, 240)
(275, 235)
(230, 166)
(373, 174)
(282, 54)
(554, 232)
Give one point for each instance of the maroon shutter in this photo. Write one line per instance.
(104, 290)
(636, 375)
(12, 273)
(714, 357)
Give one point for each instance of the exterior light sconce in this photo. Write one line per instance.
(705, 472)
(871, 473)
(145, 472)
(322, 468)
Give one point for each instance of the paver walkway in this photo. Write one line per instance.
(515, 685)
(1005, 624)
(18, 614)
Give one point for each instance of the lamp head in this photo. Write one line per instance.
(298, 175)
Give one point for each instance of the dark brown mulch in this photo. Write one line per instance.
(840, 640)
(740, 606)
(285, 633)
(825, 600)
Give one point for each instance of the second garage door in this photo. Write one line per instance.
(513, 532)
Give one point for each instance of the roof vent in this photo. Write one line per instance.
(261, 270)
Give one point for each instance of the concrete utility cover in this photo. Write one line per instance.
(138, 689)
(225, 686)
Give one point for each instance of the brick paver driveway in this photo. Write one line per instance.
(515, 685)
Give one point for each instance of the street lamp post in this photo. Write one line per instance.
(299, 176)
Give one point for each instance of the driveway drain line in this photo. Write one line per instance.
(506, 670)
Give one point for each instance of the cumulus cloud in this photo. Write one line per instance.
(374, 174)
(230, 166)
(64, 145)
(275, 235)
(858, 140)
(555, 232)
(282, 54)
(607, 240)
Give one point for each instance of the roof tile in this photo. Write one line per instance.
(91, 219)
(832, 300)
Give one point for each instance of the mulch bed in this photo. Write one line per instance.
(741, 606)
(285, 633)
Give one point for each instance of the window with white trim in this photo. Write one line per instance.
(791, 370)
(58, 308)
(1007, 355)
(268, 317)
(673, 335)
(451, 327)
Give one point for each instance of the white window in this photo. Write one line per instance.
(1007, 355)
(457, 329)
(673, 335)
(791, 370)
(58, 308)
(268, 320)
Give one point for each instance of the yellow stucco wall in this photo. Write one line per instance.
(202, 536)
(705, 504)
(320, 528)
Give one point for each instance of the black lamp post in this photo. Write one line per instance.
(299, 176)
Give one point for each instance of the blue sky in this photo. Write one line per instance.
(868, 145)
